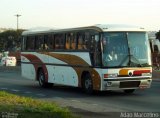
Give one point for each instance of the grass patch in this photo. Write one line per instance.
(25, 107)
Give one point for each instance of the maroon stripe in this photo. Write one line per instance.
(32, 58)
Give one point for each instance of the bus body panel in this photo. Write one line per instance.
(61, 70)
(62, 75)
(68, 74)
(28, 70)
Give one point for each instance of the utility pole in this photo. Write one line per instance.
(18, 34)
(17, 15)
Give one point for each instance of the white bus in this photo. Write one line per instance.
(100, 57)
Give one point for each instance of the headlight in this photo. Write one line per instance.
(146, 74)
(113, 75)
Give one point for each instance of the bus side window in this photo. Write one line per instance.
(59, 41)
(70, 41)
(56, 38)
(39, 42)
(23, 42)
(67, 45)
(51, 42)
(62, 41)
(73, 41)
(46, 42)
(87, 39)
(30, 42)
(95, 49)
(81, 42)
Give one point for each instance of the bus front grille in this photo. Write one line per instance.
(129, 84)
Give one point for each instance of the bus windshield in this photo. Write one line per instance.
(123, 49)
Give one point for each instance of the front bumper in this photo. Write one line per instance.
(126, 83)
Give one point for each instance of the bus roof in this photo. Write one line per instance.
(98, 27)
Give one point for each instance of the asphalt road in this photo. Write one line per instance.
(101, 104)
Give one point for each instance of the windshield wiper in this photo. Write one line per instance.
(146, 65)
(130, 61)
(123, 60)
(138, 62)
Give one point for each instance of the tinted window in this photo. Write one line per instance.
(39, 42)
(48, 42)
(59, 41)
(81, 41)
(71, 41)
(30, 43)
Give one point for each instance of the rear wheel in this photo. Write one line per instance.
(88, 84)
(129, 91)
(41, 79)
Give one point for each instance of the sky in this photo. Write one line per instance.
(75, 13)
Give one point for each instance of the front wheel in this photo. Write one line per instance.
(87, 84)
(41, 79)
(129, 91)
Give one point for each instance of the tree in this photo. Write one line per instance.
(158, 35)
(10, 40)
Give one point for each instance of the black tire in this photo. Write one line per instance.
(41, 79)
(87, 84)
(129, 91)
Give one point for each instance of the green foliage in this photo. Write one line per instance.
(10, 40)
(158, 35)
(30, 108)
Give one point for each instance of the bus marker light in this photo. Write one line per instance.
(146, 74)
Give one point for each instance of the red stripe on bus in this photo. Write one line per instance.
(32, 58)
